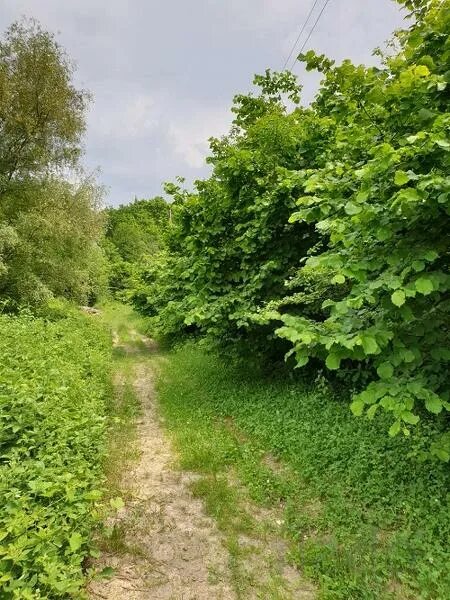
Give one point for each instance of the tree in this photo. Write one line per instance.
(41, 112)
(135, 234)
(49, 228)
(382, 198)
(57, 226)
(327, 228)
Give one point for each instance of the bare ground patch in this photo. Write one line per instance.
(162, 545)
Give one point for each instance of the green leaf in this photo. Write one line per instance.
(408, 356)
(445, 144)
(362, 196)
(422, 71)
(385, 370)
(394, 429)
(372, 410)
(409, 417)
(401, 178)
(107, 573)
(433, 404)
(430, 255)
(409, 195)
(302, 360)
(117, 503)
(398, 298)
(338, 279)
(357, 407)
(424, 285)
(425, 114)
(352, 209)
(369, 344)
(297, 216)
(93, 495)
(418, 265)
(442, 454)
(333, 361)
(75, 541)
(383, 233)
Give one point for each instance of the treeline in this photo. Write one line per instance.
(134, 234)
(321, 233)
(50, 219)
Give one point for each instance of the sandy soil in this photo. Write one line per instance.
(176, 552)
(169, 548)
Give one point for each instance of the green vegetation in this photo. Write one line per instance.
(55, 379)
(49, 226)
(365, 519)
(135, 236)
(54, 361)
(122, 409)
(322, 232)
(121, 319)
(318, 243)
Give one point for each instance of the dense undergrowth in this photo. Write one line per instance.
(54, 382)
(367, 518)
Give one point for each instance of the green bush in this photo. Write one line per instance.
(50, 225)
(54, 373)
(383, 201)
(135, 234)
(322, 232)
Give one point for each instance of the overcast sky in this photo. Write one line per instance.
(163, 73)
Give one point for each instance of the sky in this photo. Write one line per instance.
(163, 73)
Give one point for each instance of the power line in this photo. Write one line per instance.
(300, 34)
(312, 30)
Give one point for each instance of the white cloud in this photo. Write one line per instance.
(128, 116)
(190, 138)
(163, 74)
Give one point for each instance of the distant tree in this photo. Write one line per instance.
(55, 249)
(49, 228)
(135, 233)
(41, 112)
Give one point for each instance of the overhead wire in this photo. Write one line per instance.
(311, 31)
(300, 34)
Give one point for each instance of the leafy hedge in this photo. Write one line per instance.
(383, 201)
(53, 380)
(133, 232)
(323, 231)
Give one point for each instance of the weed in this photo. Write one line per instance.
(54, 381)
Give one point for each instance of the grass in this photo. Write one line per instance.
(122, 320)
(123, 411)
(365, 517)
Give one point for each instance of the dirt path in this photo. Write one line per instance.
(161, 545)
(169, 548)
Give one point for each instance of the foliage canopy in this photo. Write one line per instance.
(135, 235)
(323, 229)
(49, 227)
